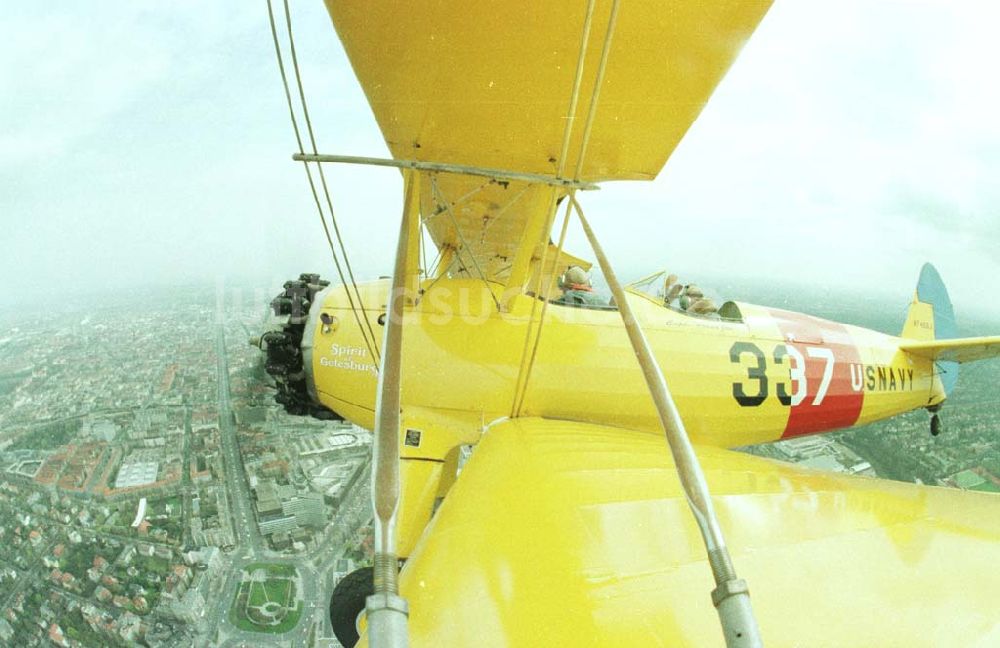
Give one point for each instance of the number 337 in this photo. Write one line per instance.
(784, 354)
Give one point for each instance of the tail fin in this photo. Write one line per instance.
(931, 317)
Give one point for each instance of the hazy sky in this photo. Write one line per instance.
(149, 142)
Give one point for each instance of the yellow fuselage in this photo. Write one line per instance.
(466, 363)
(775, 374)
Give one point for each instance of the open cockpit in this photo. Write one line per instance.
(588, 290)
(667, 290)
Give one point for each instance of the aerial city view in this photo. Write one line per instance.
(153, 493)
(751, 397)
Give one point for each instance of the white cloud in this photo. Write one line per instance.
(851, 140)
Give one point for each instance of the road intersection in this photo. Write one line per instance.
(315, 568)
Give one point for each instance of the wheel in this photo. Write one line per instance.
(935, 425)
(347, 602)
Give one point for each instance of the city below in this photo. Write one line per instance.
(152, 493)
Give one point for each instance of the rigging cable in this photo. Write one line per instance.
(591, 112)
(312, 184)
(545, 305)
(503, 210)
(461, 237)
(439, 272)
(444, 272)
(440, 275)
(470, 194)
(553, 205)
(431, 271)
(322, 178)
(423, 255)
(731, 596)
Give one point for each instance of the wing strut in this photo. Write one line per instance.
(444, 167)
(731, 595)
(591, 112)
(387, 611)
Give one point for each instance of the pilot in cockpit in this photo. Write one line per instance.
(693, 300)
(577, 289)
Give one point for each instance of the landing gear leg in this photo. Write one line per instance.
(935, 425)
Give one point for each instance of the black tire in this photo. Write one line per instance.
(935, 425)
(347, 602)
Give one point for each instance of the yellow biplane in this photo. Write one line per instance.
(571, 524)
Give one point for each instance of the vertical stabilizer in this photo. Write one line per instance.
(931, 317)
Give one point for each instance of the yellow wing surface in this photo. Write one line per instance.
(566, 534)
(956, 350)
(490, 83)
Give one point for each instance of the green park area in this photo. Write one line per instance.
(971, 480)
(267, 599)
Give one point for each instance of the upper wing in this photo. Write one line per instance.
(489, 84)
(955, 350)
(566, 534)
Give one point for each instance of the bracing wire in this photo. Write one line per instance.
(545, 305)
(423, 250)
(571, 117)
(441, 275)
(553, 206)
(523, 368)
(521, 392)
(326, 190)
(461, 237)
(312, 184)
(592, 110)
(432, 270)
(503, 210)
(470, 194)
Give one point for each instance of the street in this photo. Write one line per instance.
(315, 569)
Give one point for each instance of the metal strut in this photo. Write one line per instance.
(731, 595)
(387, 611)
(442, 167)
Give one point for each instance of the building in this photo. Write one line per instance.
(277, 524)
(99, 429)
(210, 557)
(308, 509)
(140, 513)
(137, 473)
(190, 607)
(823, 462)
(267, 497)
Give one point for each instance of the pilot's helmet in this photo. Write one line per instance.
(575, 275)
(703, 306)
(694, 291)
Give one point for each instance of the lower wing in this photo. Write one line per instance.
(567, 534)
